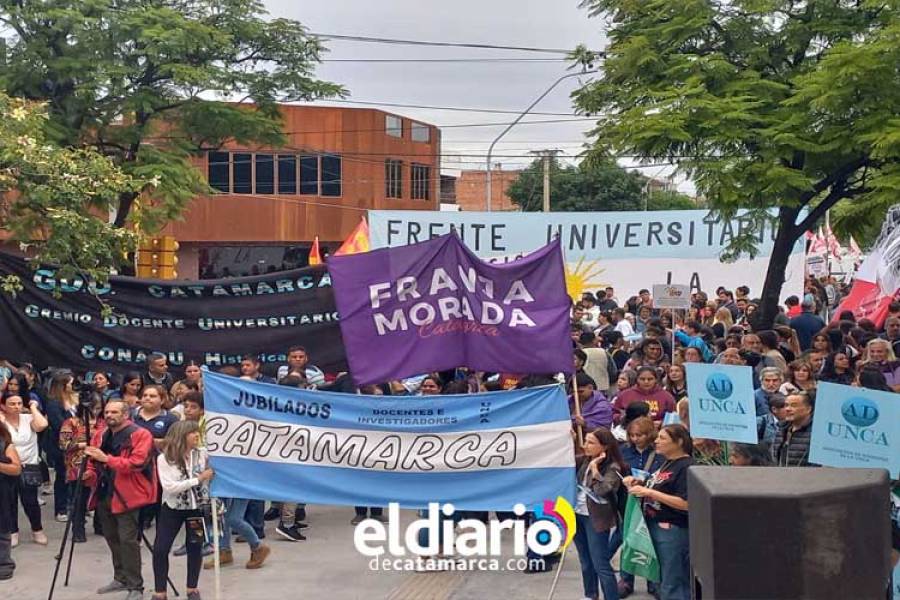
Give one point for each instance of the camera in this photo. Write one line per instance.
(88, 396)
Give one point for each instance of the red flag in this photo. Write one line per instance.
(315, 258)
(357, 242)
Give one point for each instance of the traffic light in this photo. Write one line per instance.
(157, 258)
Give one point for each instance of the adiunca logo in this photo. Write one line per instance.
(860, 415)
(720, 387)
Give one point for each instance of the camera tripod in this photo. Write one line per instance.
(75, 508)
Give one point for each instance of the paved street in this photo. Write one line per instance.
(325, 566)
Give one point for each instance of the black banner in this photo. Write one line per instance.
(213, 321)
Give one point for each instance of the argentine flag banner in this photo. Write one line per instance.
(478, 451)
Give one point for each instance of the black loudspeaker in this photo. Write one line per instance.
(766, 533)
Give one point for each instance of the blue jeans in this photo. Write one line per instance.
(236, 519)
(256, 510)
(673, 551)
(594, 553)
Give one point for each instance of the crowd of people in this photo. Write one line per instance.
(130, 450)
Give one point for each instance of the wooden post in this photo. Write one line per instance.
(559, 567)
(579, 429)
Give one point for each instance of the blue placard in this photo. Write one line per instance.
(856, 427)
(721, 403)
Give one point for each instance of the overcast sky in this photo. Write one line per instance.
(508, 86)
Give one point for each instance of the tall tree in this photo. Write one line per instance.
(591, 186)
(145, 82)
(50, 197)
(791, 105)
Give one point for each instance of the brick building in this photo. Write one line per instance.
(271, 202)
(471, 187)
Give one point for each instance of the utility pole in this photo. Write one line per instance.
(488, 187)
(547, 158)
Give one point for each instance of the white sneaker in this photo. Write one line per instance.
(41, 502)
(39, 538)
(14, 540)
(62, 517)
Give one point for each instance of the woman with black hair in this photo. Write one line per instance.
(838, 368)
(130, 390)
(598, 477)
(665, 506)
(23, 426)
(749, 455)
(871, 377)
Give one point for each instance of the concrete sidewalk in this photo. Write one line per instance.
(325, 566)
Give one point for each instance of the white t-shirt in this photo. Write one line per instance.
(625, 328)
(25, 440)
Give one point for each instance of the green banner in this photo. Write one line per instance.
(638, 555)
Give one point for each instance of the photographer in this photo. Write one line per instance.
(184, 476)
(124, 479)
(10, 470)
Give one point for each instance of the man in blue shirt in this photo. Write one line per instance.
(807, 323)
(250, 368)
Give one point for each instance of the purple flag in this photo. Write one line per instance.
(435, 306)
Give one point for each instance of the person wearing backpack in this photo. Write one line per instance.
(123, 479)
(599, 477)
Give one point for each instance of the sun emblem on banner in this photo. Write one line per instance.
(582, 278)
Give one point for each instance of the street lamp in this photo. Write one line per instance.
(514, 123)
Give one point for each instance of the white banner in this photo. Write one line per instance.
(625, 250)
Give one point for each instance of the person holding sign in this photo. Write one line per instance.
(665, 507)
(595, 410)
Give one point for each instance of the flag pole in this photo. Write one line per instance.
(579, 428)
(559, 567)
(216, 564)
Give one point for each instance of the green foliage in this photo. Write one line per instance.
(763, 103)
(145, 82)
(591, 186)
(53, 199)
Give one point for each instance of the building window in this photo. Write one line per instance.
(393, 178)
(393, 126)
(331, 175)
(218, 171)
(421, 182)
(265, 174)
(309, 175)
(420, 132)
(287, 174)
(242, 173)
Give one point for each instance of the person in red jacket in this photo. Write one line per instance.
(123, 479)
(647, 389)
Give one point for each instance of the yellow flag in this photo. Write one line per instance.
(358, 241)
(315, 258)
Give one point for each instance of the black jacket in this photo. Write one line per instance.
(791, 449)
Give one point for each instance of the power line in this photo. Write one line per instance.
(444, 60)
(407, 42)
(449, 108)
